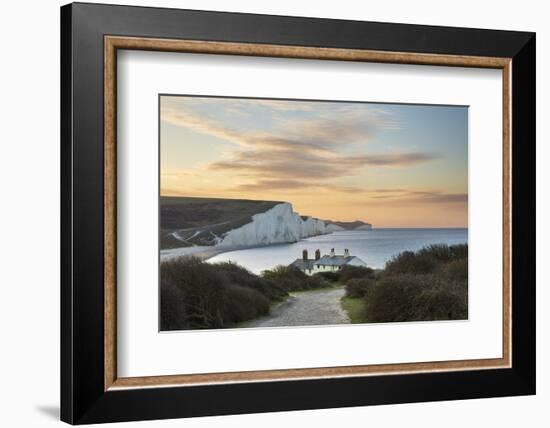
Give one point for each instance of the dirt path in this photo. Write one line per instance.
(317, 307)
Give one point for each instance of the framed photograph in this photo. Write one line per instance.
(266, 213)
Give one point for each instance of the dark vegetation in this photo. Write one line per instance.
(348, 225)
(196, 294)
(354, 272)
(293, 279)
(359, 287)
(429, 284)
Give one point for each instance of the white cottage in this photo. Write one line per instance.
(328, 263)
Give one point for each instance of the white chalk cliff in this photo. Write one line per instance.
(278, 225)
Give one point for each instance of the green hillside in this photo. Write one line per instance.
(186, 221)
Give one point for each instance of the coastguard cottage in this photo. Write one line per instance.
(328, 263)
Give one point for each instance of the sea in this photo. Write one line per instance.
(375, 247)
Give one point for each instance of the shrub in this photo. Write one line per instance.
(392, 299)
(350, 272)
(241, 276)
(202, 292)
(172, 308)
(315, 281)
(440, 304)
(195, 294)
(425, 260)
(414, 297)
(244, 304)
(459, 251)
(409, 262)
(290, 278)
(359, 287)
(329, 276)
(456, 270)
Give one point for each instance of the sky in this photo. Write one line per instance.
(392, 165)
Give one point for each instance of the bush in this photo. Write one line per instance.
(359, 287)
(393, 299)
(329, 276)
(290, 278)
(410, 297)
(239, 275)
(459, 251)
(443, 253)
(351, 272)
(315, 281)
(440, 304)
(195, 294)
(202, 292)
(425, 260)
(430, 284)
(456, 270)
(244, 304)
(173, 315)
(409, 262)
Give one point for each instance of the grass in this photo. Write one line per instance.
(355, 308)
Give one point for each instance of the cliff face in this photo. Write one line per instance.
(279, 224)
(206, 222)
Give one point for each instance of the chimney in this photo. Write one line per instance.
(346, 253)
(304, 255)
(317, 254)
(332, 254)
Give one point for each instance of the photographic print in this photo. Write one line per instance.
(284, 213)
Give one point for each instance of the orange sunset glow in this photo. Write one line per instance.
(391, 165)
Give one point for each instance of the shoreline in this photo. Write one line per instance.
(377, 255)
(207, 252)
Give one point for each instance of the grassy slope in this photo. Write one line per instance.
(348, 225)
(355, 308)
(206, 216)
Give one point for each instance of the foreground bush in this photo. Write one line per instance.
(429, 284)
(456, 270)
(427, 260)
(245, 304)
(410, 297)
(359, 287)
(195, 294)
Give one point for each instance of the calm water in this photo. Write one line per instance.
(375, 247)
